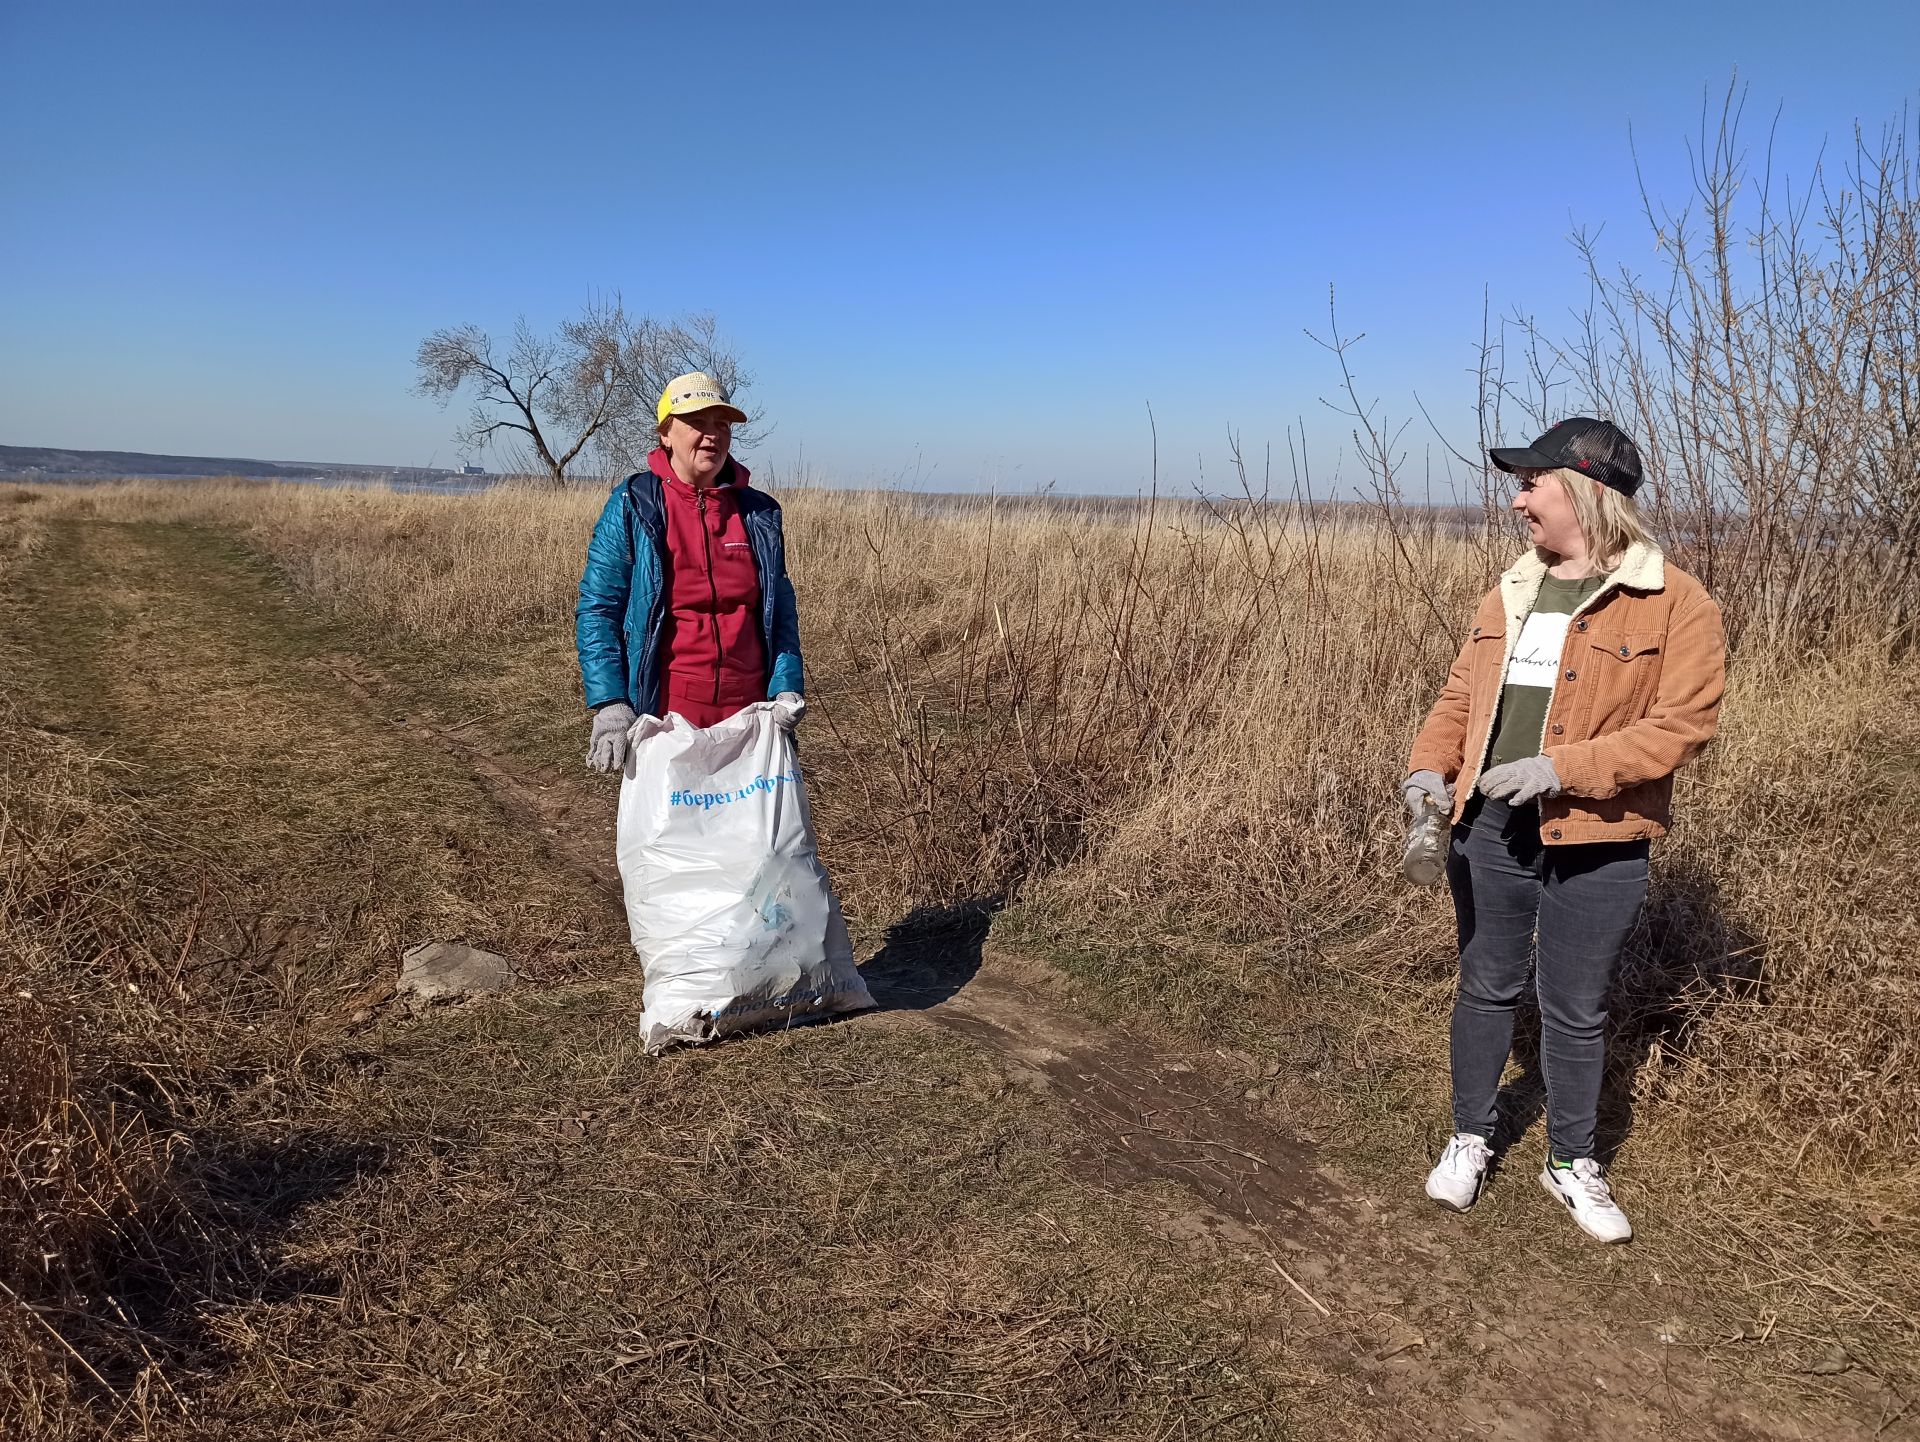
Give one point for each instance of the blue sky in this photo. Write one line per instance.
(956, 244)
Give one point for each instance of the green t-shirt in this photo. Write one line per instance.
(1520, 728)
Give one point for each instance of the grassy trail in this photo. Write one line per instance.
(973, 1215)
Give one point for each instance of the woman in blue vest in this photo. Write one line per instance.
(685, 603)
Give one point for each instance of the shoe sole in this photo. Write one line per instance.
(1562, 1198)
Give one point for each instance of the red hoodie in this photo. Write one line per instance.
(716, 662)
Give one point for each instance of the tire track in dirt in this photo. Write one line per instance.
(1378, 1289)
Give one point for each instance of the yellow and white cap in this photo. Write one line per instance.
(695, 391)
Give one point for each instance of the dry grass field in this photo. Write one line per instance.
(1157, 747)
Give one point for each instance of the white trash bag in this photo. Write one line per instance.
(727, 902)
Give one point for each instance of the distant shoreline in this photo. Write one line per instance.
(59, 463)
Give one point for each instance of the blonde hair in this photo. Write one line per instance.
(1608, 518)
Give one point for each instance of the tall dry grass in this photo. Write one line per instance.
(1197, 715)
(1173, 734)
(92, 1055)
(90, 1052)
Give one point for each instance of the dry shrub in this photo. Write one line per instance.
(1803, 834)
(1768, 362)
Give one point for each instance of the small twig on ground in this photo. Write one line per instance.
(1288, 1278)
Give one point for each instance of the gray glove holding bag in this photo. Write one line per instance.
(607, 743)
(1423, 787)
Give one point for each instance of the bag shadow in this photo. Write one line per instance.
(930, 954)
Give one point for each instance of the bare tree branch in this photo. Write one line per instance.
(592, 383)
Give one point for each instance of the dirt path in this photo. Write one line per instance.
(1405, 1327)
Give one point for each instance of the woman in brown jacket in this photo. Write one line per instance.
(1591, 672)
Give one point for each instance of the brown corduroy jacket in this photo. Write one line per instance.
(1638, 693)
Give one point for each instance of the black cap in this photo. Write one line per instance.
(1597, 449)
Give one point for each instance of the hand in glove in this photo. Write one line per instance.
(607, 745)
(1423, 787)
(797, 702)
(1518, 782)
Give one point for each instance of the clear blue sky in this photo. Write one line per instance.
(963, 242)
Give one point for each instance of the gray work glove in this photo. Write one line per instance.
(1518, 782)
(795, 707)
(1423, 787)
(607, 745)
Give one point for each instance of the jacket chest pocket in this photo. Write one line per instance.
(1622, 672)
(736, 581)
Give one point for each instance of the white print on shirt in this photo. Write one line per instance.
(1536, 659)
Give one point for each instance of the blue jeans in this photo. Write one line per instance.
(1561, 912)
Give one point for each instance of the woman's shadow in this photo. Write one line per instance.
(930, 954)
(1685, 959)
(214, 1237)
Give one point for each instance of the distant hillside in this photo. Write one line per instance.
(50, 463)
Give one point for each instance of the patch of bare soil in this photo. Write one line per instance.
(1388, 1292)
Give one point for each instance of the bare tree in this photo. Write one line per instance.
(651, 354)
(1770, 367)
(592, 383)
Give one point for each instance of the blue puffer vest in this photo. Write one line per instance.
(622, 612)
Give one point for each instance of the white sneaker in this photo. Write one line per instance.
(1583, 1187)
(1456, 1177)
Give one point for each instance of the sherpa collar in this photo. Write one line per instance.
(1642, 568)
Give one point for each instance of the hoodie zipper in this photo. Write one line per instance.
(713, 590)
